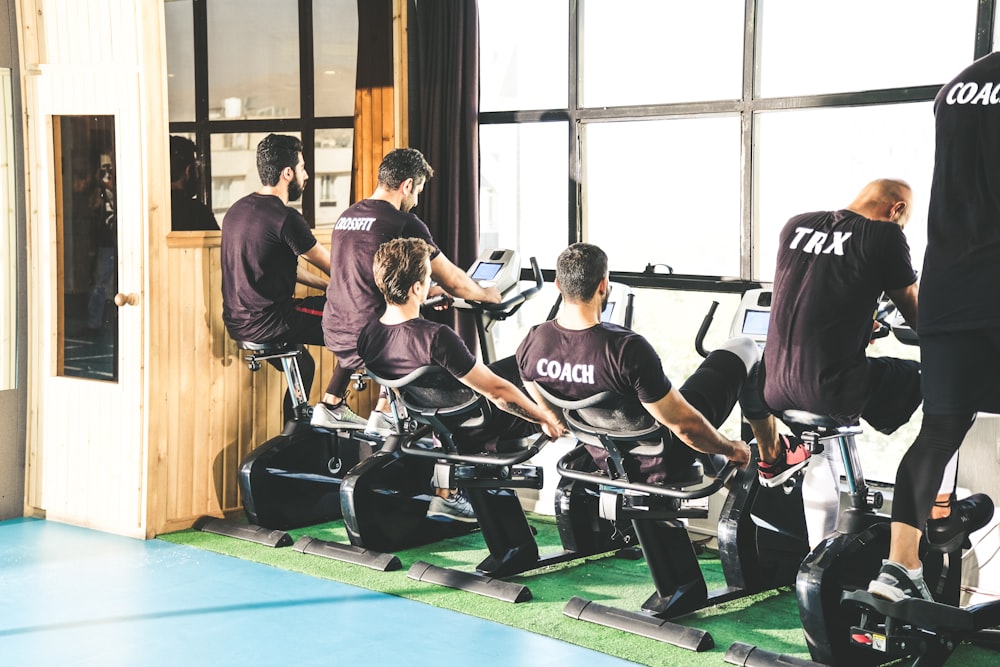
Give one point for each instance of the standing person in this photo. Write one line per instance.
(105, 234)
(400, 341)
(262, 239)
(352, 298)
(187, 214)
(958, 323)
(832, 268)
(577, 356)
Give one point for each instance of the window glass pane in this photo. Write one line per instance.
(87, 224)
(253, 59)
(331, 175)
(523, 63)
(234, 169)
(8, 237)
(180, 59)
(831, 47)
(819, 159)
(523, 189)
(335, 40)
(658, 52)
(665, 191)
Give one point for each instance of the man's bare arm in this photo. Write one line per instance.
(458, 283)
(674, 412)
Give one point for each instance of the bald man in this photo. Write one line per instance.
(832, 267)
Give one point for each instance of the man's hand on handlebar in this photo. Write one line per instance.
(553, 428)
(741, 453)
(492, 295)
(438, 299)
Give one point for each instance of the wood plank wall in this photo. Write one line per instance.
(224, 409)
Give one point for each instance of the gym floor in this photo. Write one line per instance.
(73, 596)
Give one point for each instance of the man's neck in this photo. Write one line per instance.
(580, 316)
(396, 314)
(275, 191)
(394, 197)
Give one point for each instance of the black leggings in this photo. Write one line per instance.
(919, 476)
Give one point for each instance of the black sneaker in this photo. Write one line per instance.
(967, 515)
(894, 584)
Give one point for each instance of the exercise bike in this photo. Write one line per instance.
(761, 531)
(842, 623)
(292, 480)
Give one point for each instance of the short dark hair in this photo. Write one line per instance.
(397, 265)
(274, 153)
(579, 270)
(400, 164)
(183, 154)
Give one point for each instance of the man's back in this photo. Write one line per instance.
(575, 364)
(352, 298)
(831, 268)
(962, 261)
(261, 241)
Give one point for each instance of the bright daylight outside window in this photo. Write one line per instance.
(672, 157)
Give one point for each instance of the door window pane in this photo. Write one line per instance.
(660, 52)
(87, 224)
(665, 192)
(819, 159)
(831, 47)
(523, 63)
(331, 175)
(524, 189)
(8, 237)
(179, 18)
(335, 40)
(253, 59)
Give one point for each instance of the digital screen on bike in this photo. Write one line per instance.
(608, 311)
(486, 270)
(755, 322)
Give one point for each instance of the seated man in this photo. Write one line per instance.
(262, 239)
(577, 355)
(832, 267)
(400, 341)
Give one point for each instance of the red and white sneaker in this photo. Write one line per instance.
(795, 458)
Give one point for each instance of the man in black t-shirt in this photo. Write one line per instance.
(352, 299)
(832, 267)
(400, 341)
(262, 239)
(577, 356)
(959, 323)
(187, 214)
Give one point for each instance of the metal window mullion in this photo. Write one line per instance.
(985, 24)
(307, 104)
(201, 132)
(575, 231)
(749, 262)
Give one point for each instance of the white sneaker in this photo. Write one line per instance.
(454, 508)
(340, 417)
(379, 423)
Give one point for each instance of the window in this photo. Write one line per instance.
(690, 132)
(241, 69)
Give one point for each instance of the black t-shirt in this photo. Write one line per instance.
(190, 215)
(352, 298)
(576, 364)
(959, 286)
(394, 350)
(832, 267)
(261, 241)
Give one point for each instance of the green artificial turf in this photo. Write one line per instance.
(768, 620)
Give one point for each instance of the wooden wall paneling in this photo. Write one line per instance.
(216, 372)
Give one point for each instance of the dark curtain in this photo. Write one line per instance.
(444, 125)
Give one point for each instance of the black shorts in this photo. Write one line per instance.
(893, 393)
(305, 322)
(961, 371)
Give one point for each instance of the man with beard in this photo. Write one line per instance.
(352, 298)
(576, 356)
(262, 239)
(187, 214)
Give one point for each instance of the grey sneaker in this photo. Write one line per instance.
(340, 417)
(894, 584)
(454, 508)
(380, 423)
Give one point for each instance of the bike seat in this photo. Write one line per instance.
(611, 415)
(810, 420)
(269, 347)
